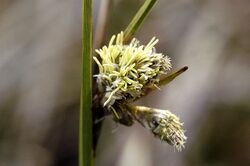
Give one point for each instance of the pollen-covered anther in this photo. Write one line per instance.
(125, 69)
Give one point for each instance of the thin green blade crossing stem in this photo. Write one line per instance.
(138, 19)
(85, 126)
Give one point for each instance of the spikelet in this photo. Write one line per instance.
(125, 69)
(162, 123)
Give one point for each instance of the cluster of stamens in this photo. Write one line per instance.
(125, 70)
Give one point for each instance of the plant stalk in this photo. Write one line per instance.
(86, 123)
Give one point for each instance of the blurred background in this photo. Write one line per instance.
(40, 73)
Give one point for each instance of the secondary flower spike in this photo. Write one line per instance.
(125, 69)
(162, 123)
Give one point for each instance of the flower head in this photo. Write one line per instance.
(125, 74)
(125, 69)
(162, 123)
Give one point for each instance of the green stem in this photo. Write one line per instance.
(138, 19)
(85, 124)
